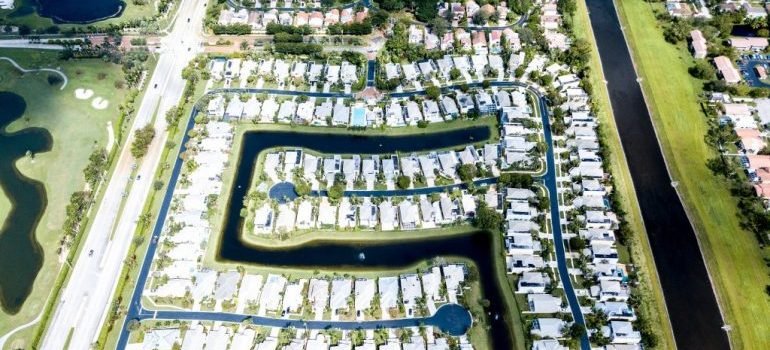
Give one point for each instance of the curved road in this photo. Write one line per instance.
(136, 311)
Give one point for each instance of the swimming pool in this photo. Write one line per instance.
(359, 117)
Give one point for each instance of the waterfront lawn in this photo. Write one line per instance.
(77, 129)
(653, 305)
(733, 256)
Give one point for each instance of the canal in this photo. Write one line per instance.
(386, 254)
(20, 253)
(690, 299)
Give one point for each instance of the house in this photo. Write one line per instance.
(391, 71)
(323, 112)
(622, 332)
(318, 295)
(301, 18)
(346, 214)
(479, 41)
(698, 44)
(293, 297)
(316, 20)
(161, 339)
(304, 112)
(751, 140)
(548, 327)
(332, 17)
(449, 107)
(327, 214)
(287, 111)
(346, 16)
(532, 282)
(484, 103)
(726, 69)
(743, 44)
(465, 102)
(410, 71)
(543, 303)
(251, 108)
(367, 214)
(348, 72)
(388, 289)
(341, 290)
(413, 114)
(616, 310)
(314, 73)
(431, 111)
(341, 114)
(332, 73)
(364, 295)
(394, 114)
(305, 215)
(426, 68)
(548, 344)
(216, 107)
(232, 68)
(414, 34)
(408, 214)
(411, 290)
(388, 219)
(263, 219)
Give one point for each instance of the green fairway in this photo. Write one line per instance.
(733, 256)
(653, 305)
(77, 129)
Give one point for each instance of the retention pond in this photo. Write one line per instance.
(690, 299)
(369, 255)
(20, 254)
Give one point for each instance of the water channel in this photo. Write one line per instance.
(20, 254)
(389, 254)
(690, 299)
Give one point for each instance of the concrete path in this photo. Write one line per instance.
(23, 70)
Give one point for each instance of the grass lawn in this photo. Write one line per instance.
(733, 256)
(77, 129)
(653, 304)
(24, 13)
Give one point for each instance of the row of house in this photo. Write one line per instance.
(259, 20)
(418, 212)
(458, 12)
(280, 71)
(607, 287)
(186, 228)
(464, 40)
(195, 336)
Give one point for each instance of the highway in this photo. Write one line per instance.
(86, 299)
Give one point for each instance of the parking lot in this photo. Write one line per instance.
(747, 65)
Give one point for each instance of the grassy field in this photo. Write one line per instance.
(77, 130)
(25, 14)
(653, 304)
(733, 257)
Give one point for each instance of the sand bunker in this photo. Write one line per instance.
(100, 103)
(83, 94)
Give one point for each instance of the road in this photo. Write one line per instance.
(86, 299)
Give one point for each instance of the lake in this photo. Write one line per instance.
(346, 255)
(77, 11)
(21, 256)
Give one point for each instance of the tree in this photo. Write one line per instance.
(487, 218)
(433, 92)
(703, 70)
(403, 182)
(440, 26)
(454, 73)
(336, 191)
(467, 172)
(142, 139)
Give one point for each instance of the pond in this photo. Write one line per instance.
(21, 256)
(76, 11)
(360, 255)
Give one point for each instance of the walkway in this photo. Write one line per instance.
(136, 311)
(20, 68)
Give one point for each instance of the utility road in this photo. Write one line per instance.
(86, 299)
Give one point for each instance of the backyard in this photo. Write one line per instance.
(77, 128)
(733, 256)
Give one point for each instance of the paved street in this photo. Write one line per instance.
(86, 298)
